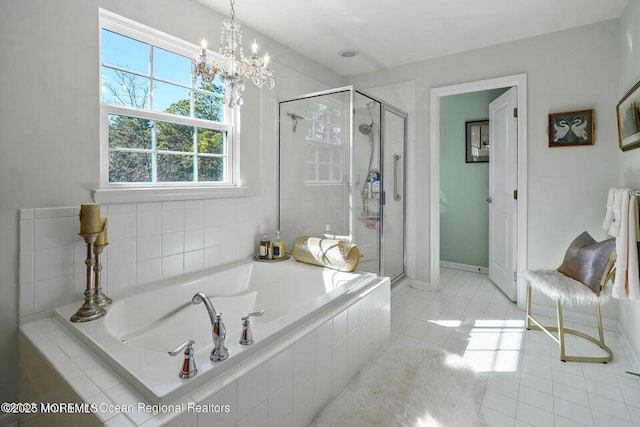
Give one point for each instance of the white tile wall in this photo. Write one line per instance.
(284, 386)
(147, 242)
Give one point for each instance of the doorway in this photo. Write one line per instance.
(519, 234)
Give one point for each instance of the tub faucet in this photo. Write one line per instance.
(247, 337)
(189, 364)
(218, 330)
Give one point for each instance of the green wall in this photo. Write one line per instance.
(464, 187)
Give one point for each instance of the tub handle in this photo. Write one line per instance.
(255, 313)
(246, 337)
(189, 364)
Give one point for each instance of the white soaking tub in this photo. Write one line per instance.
(141, 326)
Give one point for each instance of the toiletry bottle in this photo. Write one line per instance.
(277, 247)
(264, 248)
(375, 187)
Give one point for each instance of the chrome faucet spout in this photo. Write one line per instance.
(202, 297)
(218, 330)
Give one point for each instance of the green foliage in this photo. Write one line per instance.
(127, 132)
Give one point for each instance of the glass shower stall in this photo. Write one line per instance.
(341, 174)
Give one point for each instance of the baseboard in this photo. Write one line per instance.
(8, 420)
(465, 267)
(417, 284)
(571, 316)
(628, 350)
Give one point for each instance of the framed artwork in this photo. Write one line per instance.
(571, 128)
(477, 134)
(628, 113)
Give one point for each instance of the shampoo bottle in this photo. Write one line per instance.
(264, 247)
(278, 249)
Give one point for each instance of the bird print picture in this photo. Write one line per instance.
(571, 128)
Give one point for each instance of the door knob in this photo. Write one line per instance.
(489, 199)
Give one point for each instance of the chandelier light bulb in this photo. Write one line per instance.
(266, 60)
(203, 43)
(254, 47)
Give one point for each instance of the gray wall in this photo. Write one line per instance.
(49, 102)
(630, 160)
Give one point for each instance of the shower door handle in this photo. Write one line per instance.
(396, 158)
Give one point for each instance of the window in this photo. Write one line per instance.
(325, 150)
(158, 127)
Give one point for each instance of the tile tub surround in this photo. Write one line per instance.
(147, 242)
(287, 384)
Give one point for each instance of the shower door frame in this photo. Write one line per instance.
(384, 106)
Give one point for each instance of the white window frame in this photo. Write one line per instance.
(110, 192)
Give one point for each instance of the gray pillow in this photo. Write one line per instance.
(588, 261)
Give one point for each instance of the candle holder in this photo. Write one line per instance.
(90, 309)
(101, 299)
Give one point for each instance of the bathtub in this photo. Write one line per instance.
(141, 326)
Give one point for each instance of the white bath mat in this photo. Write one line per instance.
(416, 387)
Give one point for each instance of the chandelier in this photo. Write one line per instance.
(231, 63)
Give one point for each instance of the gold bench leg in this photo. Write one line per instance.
(532, 323)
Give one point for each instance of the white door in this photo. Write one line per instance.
(503, 156)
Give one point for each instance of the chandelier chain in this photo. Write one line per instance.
(233, 11)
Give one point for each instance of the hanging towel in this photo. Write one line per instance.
(633, 276)
(621, 204)
(618, 195)
(608, 218)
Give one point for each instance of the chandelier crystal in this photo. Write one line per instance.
(231, 63)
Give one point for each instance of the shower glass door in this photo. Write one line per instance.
(367, 181)
(315, 134)
(393, 231)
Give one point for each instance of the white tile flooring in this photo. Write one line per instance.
(523, 381)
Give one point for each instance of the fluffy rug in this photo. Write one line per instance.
(410, 388)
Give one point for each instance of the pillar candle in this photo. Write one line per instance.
(101, 240)
(90, 219)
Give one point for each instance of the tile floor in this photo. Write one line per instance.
(523, 381)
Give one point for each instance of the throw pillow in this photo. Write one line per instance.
(588, 261)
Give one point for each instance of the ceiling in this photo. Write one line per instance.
(388, 33)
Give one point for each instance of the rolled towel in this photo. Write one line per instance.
(335, 254)
(608, 218)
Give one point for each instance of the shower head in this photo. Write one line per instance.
(365, 129)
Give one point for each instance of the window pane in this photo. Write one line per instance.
(211, 141)
(122, 88)
(210, 169)
(171, 66)
(208, 106)
(129, 132)
(125, 52)
(324, 156)
(336, 173)
(129, 167)
(171, 99)
(175, 168)
(324, 173)
(174, 137)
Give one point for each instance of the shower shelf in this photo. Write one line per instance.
(370, 220)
